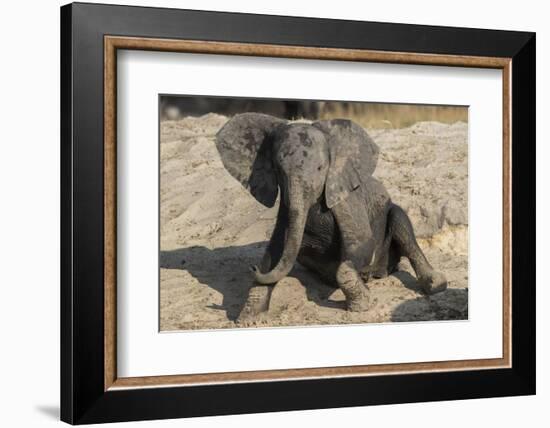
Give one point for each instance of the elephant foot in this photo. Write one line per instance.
(434, 283)
(256, 303)
(360, 303)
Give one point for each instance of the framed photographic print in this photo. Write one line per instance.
(265, 213)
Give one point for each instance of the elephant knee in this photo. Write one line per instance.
(346, 273)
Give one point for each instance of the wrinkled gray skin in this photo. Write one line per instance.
(334, 218)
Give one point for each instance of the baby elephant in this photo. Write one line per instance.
(334, 217)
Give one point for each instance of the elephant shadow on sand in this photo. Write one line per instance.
(451, 305)
(221, 269)
(231, 276)
(232, 279)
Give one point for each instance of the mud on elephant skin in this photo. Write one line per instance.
(334, 217)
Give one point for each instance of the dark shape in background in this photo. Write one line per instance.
(175, 107)
(367, 114)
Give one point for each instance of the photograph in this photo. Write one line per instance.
(281, 212)
(264, 211)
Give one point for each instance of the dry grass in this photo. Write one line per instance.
(393, 115)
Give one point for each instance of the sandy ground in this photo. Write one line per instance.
(212, 230)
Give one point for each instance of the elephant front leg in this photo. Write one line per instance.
(256, 302)
(259, 295)
(356, 291)
(357, 252)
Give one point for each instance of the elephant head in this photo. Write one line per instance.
(308, 163)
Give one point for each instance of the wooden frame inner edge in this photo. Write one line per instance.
(112, 43)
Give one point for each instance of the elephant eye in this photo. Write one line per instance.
(319, 168)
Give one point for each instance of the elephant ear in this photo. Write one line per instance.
(244, 144)
(353, 158)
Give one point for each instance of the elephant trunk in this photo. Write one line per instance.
(297, 216)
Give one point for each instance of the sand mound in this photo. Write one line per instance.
(212, 230)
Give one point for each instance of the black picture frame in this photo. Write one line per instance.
(83, 398)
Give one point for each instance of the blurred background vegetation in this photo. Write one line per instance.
(369, 115)
(378, 115)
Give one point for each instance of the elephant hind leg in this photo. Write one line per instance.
(387, 256)
(394, 257)
(404, 242)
